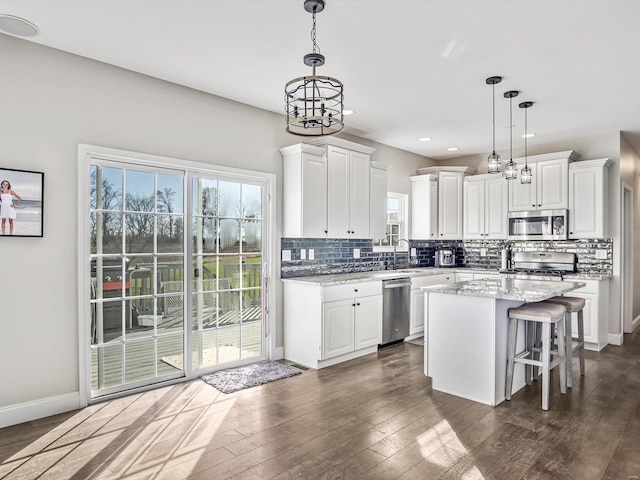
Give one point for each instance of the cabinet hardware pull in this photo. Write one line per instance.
(353, 304)
(326, 231)
(357, 304)
(355, 289)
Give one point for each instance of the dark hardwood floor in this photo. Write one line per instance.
(371, 418)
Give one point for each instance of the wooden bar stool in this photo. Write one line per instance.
(573, 305)
(547, 315)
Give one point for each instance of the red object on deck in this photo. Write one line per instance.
(108, 286)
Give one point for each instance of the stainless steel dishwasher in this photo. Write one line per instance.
(396, 309)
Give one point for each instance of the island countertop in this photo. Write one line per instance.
(507, 289)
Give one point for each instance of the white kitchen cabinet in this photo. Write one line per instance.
(485, 203)
(305, 191)
(424, 207)
(549, 188)
(588, 198)
(325, 325)
(429, 281)
(595, 313)
(450, 205)
(348, 193)
(377, 202)
(418, 297)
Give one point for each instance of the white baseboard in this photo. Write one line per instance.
(616, 338)
(635, 323)
(45, 407)
(277, 353)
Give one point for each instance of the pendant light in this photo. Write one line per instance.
(510, 168)
(314, 103)
(493, 160)
(525, 173)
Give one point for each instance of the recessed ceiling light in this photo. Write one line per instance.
(528, 135)
(453, 149)
(424, 139)
(18, 26)
(348, 111)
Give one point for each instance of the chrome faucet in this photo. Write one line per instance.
(396, 246)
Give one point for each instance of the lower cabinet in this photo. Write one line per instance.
(595, 313)
(349, 325)
(418, 298)
(331, 324)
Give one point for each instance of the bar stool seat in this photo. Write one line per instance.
(548, 315)
(573, 305)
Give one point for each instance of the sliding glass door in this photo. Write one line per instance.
(176, 274)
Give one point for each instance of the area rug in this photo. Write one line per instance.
(235, 379)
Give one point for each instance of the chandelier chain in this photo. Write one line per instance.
(493, 88)
(316, 48)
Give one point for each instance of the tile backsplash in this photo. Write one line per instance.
(332, 255)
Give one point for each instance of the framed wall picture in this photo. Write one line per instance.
(21, 203)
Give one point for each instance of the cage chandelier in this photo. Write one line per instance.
(314, 103)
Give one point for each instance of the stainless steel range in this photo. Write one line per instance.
(542, 265)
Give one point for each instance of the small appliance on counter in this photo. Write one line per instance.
(446, 257)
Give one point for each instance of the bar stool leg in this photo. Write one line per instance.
(581, 341)
(568, 348)
(530, 340)
(511, 355)
(563, 357)
(546, 357)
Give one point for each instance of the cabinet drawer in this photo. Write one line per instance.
(351, 290)
(429, 280)
(592, 287)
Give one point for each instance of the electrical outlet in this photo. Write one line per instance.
(286, 255)
(601, 254)
(414, 253)
(311, 254)
(483, 252)
(303, 254)
(356, 253)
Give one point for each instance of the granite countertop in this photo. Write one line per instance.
(342, 278)
(508, 289)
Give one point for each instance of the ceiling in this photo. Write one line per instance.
(411, 68)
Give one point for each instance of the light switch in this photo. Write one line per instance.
(356, 253)
(303, 254)
(286, 255)
(601, 254)
(311, 254)
(483, 252)
(414, 252)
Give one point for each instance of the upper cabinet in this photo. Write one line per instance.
(450, 205)
(377, 201)
(588, 194)
(548, 189)
(326, 189)
(485, 207)
(304, 189)
(424, 207)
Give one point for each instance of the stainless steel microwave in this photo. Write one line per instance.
(538, 225)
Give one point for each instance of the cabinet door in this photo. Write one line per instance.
(474, 209)
(417, 311)
(450, 205)
(338, 192)
(523, 197)
(496, 194)
(590, 320)
(377, 203)
(424, 207)
(337, 328)
(358, 195)
(368, 322)
(314, 196)
(552, 184)
(586, 203)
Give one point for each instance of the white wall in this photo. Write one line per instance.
(630, 174)
(51, 102)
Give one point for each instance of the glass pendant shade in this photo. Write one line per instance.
(526, 175)
(493, 163)
(510, 170)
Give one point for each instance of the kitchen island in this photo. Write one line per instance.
(466, 335)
